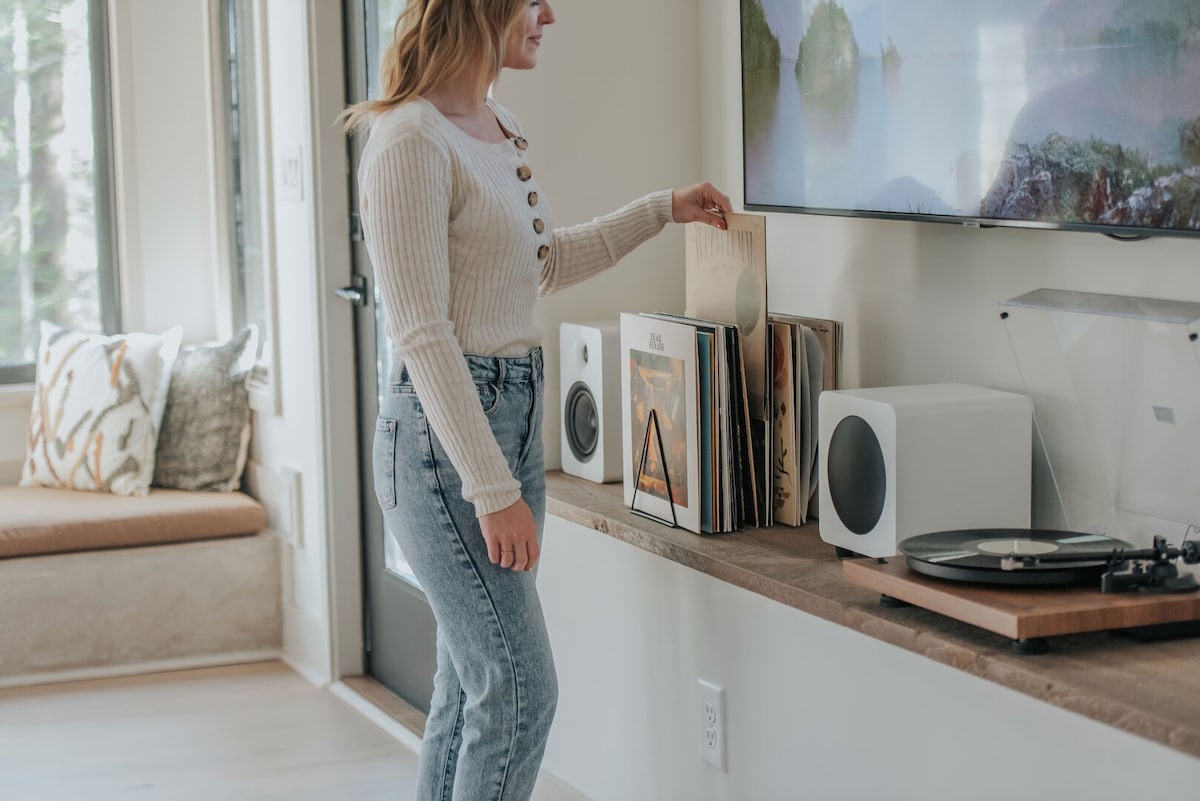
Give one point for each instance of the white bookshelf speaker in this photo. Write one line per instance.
(589, 380)
(900, 461)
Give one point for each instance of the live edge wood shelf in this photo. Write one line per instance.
(1151, 689)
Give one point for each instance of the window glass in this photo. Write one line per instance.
(54, 236)
(245, 127)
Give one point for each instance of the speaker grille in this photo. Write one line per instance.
(581, 421)
(856, 474)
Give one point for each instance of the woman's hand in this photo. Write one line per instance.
(511, 537)
(700, 203)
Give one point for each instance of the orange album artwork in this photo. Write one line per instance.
(657, 382)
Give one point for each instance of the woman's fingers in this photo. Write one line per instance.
(511, 537)
(520, 557)
(524, 555)
(700, 203)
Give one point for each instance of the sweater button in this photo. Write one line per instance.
(521, 143)
(524, 173)
(533, 198)
(543, 252)
(539, 226)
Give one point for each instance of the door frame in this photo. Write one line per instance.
(339, 428)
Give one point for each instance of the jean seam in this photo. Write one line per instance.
(458, 721)
(495, 618)
(388, 430)
(527, 446)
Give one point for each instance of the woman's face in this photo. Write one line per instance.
(521, 49)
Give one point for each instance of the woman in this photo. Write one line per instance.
(462, 244)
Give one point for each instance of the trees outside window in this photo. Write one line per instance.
(56, 236)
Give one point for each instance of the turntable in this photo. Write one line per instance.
(1115, 386)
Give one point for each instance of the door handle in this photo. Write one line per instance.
(356, 293)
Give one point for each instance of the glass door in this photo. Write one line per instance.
(399, 627)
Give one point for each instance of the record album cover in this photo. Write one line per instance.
(660, 375)
(726, 281)
(784, 427)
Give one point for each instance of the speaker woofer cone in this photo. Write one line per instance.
(581, 421)
(856, 474)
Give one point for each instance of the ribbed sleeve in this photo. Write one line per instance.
(580, 251)
(462, 243)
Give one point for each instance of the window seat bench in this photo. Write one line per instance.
(93, 584)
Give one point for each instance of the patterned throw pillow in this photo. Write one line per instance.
(97, 404)
(205, 432)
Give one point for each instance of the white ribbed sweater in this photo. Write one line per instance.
(450, 229)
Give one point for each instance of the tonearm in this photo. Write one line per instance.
(1151, 569)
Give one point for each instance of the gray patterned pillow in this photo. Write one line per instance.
(205, 433)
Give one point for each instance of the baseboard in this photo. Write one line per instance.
(550, 785)
(404, 735)
(308, 673)
(140, 668)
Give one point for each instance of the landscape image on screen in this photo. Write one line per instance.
(1071, 113)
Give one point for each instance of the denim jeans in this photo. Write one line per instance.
(495, 689)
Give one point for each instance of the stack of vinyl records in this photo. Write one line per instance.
(688, 446)
(806, 358)
(719, 404)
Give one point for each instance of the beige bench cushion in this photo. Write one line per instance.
(37, 520)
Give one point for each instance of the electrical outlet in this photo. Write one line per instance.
(712, 724)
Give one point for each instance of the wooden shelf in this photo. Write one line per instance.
(1148, 689)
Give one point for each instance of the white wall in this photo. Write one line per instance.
(170, 257)
(815, 711)
(611, 113)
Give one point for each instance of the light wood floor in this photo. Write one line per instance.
(223, 734)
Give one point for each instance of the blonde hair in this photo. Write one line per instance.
(433, 41)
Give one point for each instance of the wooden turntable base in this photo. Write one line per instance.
(1022, 613)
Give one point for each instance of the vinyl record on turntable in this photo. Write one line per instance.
(978, 554)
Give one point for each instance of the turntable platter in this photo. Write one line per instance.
(977, 554)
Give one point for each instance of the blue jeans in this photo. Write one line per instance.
(495, 689)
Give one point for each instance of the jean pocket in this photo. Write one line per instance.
(489, 395)
(385, 462)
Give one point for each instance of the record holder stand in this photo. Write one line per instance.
(652, 420)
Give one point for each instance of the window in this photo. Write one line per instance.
(57, 243)
(249, 228)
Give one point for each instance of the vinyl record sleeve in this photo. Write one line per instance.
(725, 276)
(829, 333)
(814, 381)
(660, 374)
(784, 427)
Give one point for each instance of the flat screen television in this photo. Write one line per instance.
(1070, 114)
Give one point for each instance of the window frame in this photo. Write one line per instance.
(264, 382)
(107, 278)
